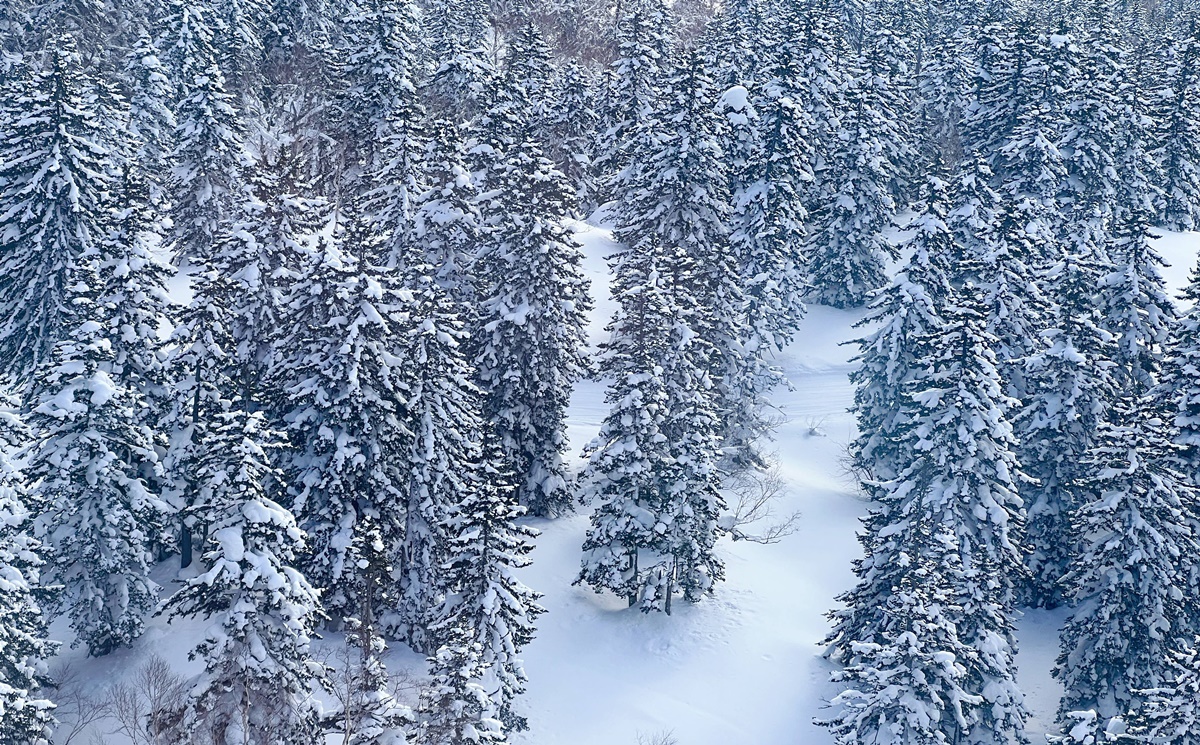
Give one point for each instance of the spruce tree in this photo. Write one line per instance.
(1177, 134)
(370, 713)
(1088, 145)
(202, 380)
(653, 535)
(767, 235)
(485, 599)
(1070, 378)
(959, 480)
(1181, 379)
(572, 128)
(910, 687)
(260, 252)
(26, 715)
(95, 509)
(455, 708)
(135, 281)
(532, 314)
(442, 412)
(626, 462)
(345, 395)
(459, 42)
(1171, 712)
(54, 173)
(1129, 579)
(376, 101)
(847, 256)
(643, 54)
(446, 229)
(903, 315)
(151, 114)
(209, 154)
(258, 675)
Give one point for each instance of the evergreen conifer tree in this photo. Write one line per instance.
(1170, 713)
(346, 392)
(1176, 103)
(963, 487)
(260, 252)
(847, 257)
(26, 715)
(1129, 579)
(95, 509)
(533, 301)
(1071, 387)
(905, 313)
(644, 53)
(54, 173)
(209, 156)
(488, 613)
(442, 411)
(258, 676)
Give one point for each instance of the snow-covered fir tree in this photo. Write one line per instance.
(26, 713)
(446, 228)
(1181, 379)
(209, 154)
(767, 234)
(1171, 711)
(258, 674)
(1070, 379)
(260, 251)
(95, 510)
(455, 709)
(825, 57)
(848, 254)
(151, 115)
(459, 55)
(532, 310)
(54, 173)
(488, 613)
(345, 396)
(376, 101)
(238, 26)
(1088, 144)
(442, 411)
(959, 480)
(135, 280)
(644, 53)
(1134, 300)
(201, 378)
(769, 214)
(1131, 574)
(1177, 136)
(669, 356)
(370, 713)
(572, 127)
(904, 314)
(909, 686)
(627, 462)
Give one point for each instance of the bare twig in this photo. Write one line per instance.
(77, 708)
(666, 737)
(756, 496)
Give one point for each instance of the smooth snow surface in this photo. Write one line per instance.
(742, 668)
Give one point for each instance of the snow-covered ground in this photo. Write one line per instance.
(744, 667)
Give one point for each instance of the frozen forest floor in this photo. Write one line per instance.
(744, 666)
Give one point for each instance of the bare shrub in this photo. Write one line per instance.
(756, 497)
(666, 737)
(78, 709)
(146, 707)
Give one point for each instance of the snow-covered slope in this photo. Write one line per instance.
(742, 667)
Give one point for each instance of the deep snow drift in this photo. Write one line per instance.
(742, 667)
